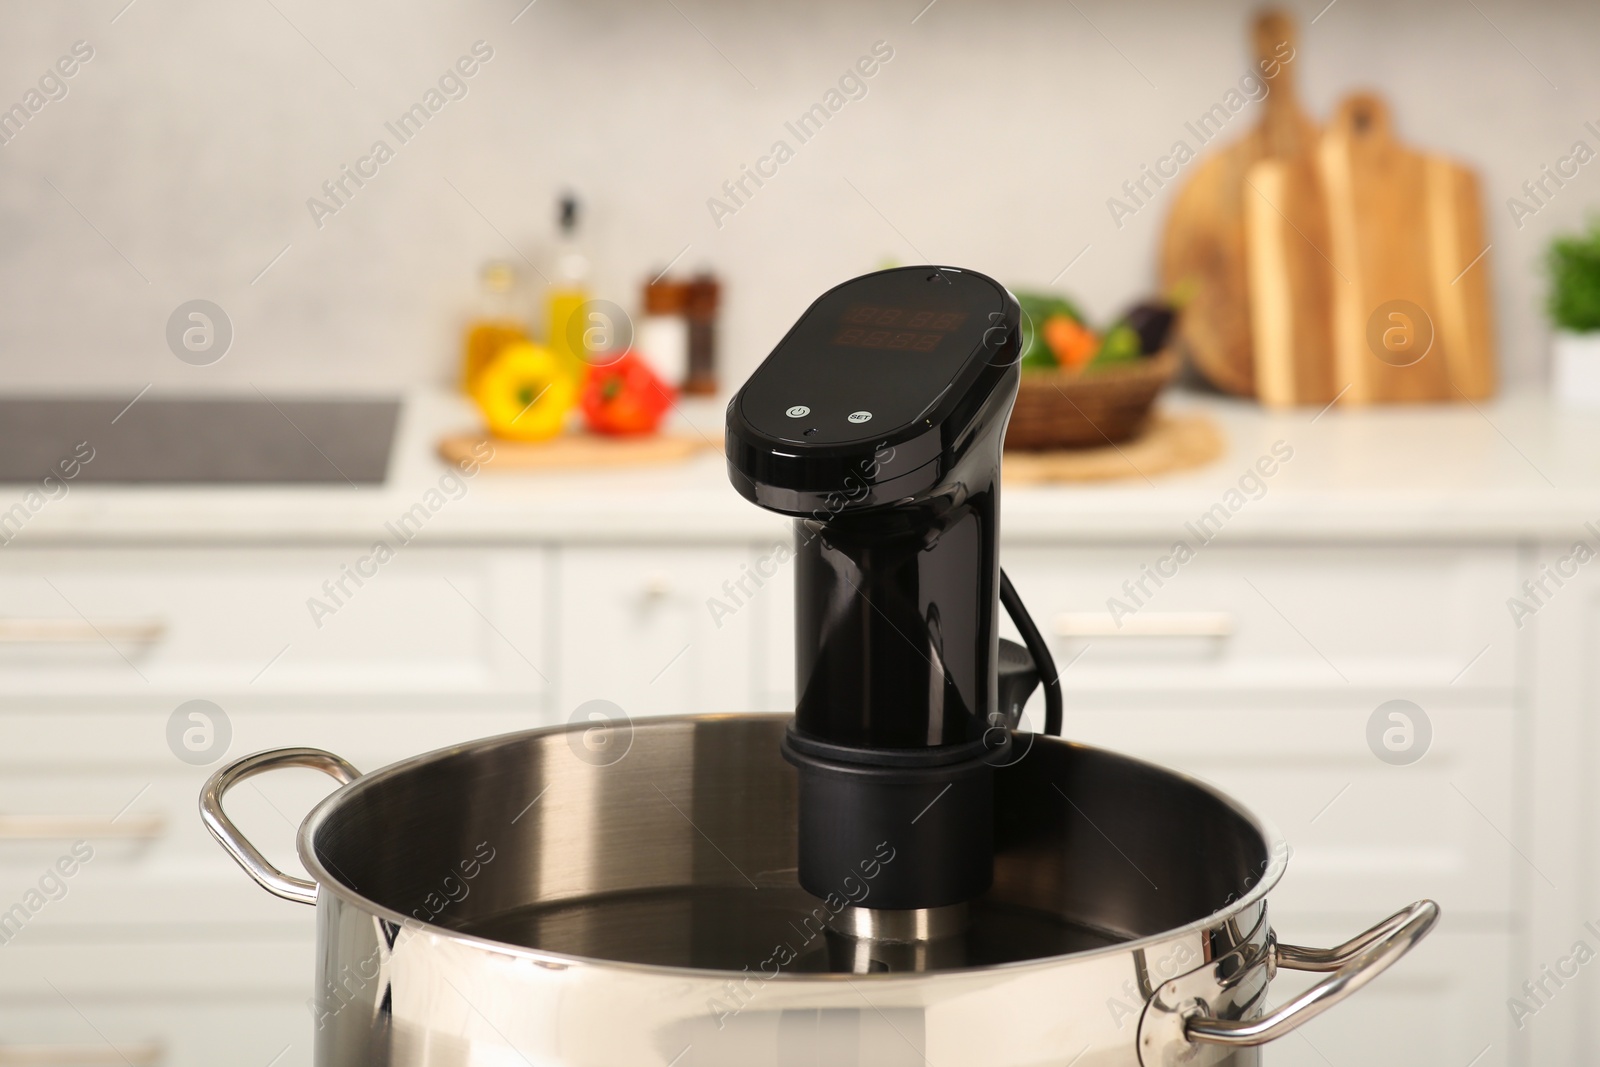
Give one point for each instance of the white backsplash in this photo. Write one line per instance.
(182, 157)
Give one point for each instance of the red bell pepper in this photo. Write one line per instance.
(625, 396)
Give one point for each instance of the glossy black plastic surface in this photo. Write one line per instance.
(879, 421)
(826, 423)
(896, 630)
(938, 821)
(897, 568)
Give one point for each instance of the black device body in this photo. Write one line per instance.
(877, 422)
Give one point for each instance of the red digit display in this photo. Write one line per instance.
(917, 329)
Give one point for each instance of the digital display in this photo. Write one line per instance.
(900, 329)
(890, 346)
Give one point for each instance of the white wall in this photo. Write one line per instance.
(993, 138)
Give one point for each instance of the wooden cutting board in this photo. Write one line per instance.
(1410, 308)
(1167, 444)
(1463, 311)
(571, 451)
(1205, 241)
(1291, 281)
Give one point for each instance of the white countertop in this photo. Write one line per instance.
(1514, 468)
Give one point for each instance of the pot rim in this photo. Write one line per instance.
(1277, 863)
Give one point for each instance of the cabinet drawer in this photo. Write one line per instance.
(202, 1031)
(775, 681)
(166, 1003)
(109, 780)
(273, 620)
(1444, 1003)
(661, 630)
(1365, 834)
(1265, 617)
(161, 968)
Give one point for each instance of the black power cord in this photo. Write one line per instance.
(1039, 649)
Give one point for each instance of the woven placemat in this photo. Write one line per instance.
(1169, 443)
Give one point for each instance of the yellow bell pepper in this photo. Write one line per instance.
(525, 393)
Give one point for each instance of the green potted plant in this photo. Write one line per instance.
(1574, 307)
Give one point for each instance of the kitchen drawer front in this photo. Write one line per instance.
(113, 785)
(203, 1031)
(161, 967)
(660, 630)
(1444, 1003)
(131, 733)
(1364, 834)
(108, 621)
(1273, 617)
(775, 681)
(164, 1002)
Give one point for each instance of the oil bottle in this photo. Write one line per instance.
(497, 323)
(568, 293)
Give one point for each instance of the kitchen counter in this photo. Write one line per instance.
(1517, 467)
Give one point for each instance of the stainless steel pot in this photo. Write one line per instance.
(632, 842)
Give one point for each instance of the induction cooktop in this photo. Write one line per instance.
(198, 440)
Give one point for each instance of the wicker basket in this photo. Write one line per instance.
(1059, 410)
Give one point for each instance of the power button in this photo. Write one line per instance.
(799, 411)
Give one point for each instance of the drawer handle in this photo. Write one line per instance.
(145, 1054)
(79, 632)
(1146, 624)
(75, 827)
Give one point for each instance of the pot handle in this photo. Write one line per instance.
(244, 853)
(1353, 964)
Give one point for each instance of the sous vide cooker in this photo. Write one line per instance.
(898, 874)
(877, 423)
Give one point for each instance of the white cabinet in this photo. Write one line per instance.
(1364, 836)
(204, 621)
(108, 779)
(156, 949)
(1442, 1004)
(660, 630)
(1257, 667)
(776, 682)
(1560, 830)
(1261, 669)
(202, 1022)
(1254, 618)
